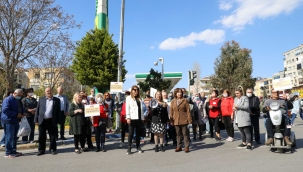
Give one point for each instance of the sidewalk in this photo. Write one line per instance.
(70, 139)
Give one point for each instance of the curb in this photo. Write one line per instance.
(63, 142)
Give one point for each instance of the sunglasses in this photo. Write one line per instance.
(135, 89)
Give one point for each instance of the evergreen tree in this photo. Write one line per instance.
(233, 68)
(96, 60)
(154, 80)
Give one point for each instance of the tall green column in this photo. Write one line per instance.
(101, 19)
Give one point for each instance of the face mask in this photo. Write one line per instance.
(84, 101)
(99, 99)
(30, 94)
(18, 97)
(224, 95)
(248, 94)
(197, 98)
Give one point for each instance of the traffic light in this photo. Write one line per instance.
(193, 75)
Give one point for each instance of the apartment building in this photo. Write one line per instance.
(206, 86)
(47, 77)
(263, 83)
(293, 61)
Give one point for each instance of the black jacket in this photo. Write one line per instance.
(41, 107)
(254, 105)
(159, 114)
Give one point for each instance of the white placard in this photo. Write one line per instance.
(92, 110)
(152, 92)
(116, 87)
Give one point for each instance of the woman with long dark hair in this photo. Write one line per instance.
(134, 117)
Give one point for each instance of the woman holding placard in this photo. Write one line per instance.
(100, 123)
(77, 122)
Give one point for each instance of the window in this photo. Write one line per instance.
(299, 66)
(49, 75)
(294, 73)
(37, 76)
(293, 60)
(300, 80)
(293, 67)
(300, 73)
(289, 68)
(290, 74)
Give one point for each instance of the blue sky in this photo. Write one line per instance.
(188, 31)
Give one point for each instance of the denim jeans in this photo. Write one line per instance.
(207, 126)
(2, 141)
(293, 118)
(11, 131)
(31, 123)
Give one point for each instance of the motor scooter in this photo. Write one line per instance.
(279, 143)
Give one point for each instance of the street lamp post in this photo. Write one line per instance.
(161, 59)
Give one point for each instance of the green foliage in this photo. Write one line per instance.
(154, 80)
(96, 60)
(233, 68)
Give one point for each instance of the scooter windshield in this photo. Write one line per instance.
(274, 106)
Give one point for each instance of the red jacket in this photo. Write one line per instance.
(227, 106)
(103, 111)
(215, 111)
(123, 113)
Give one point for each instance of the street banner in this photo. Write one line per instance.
(116, 87)
(282, 84)
(92, 110)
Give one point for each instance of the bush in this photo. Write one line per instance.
(67, 119)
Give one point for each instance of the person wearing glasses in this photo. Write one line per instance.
(242, 114)
(269, 125)
(134, 117)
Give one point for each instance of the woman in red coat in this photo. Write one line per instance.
(214, 114)
(100, 123)
(227, 103)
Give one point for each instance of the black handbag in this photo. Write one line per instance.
(143, 132)
(102, 122)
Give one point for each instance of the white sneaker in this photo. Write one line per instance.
(228, 139)
(121, 145)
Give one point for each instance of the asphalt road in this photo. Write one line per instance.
(205, 155)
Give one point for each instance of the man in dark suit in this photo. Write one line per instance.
(46, 117)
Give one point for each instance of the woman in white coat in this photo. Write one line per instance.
(242, 113)
(134, 117)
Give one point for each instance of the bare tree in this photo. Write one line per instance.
(27, 29)
(54, 61)
(197, 68)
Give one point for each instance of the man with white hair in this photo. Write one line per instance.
(11, 111)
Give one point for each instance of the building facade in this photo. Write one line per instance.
(41, 78)
(206, 86)
(261, 85)
(293, 61)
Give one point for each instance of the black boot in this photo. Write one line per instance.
(156, 148)
(200, 137)
(129, 151)
(162, 148)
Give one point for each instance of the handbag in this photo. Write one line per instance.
(102, 122)
(143, 132)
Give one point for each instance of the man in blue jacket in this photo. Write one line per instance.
(9, 116)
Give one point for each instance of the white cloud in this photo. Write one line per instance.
(249, 10)
(130, 76)
(225, 5)
(207, 36)
(152, 47)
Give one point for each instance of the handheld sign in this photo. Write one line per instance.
(92, 110)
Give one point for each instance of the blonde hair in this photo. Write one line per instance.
(76, 95)
(99, 95)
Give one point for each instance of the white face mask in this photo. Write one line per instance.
(99, 99)
(30, 94)
(84, 101)
(248, 94)
(225, 95)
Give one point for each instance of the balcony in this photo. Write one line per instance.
(34, 80)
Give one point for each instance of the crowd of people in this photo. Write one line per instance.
(163, 116)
